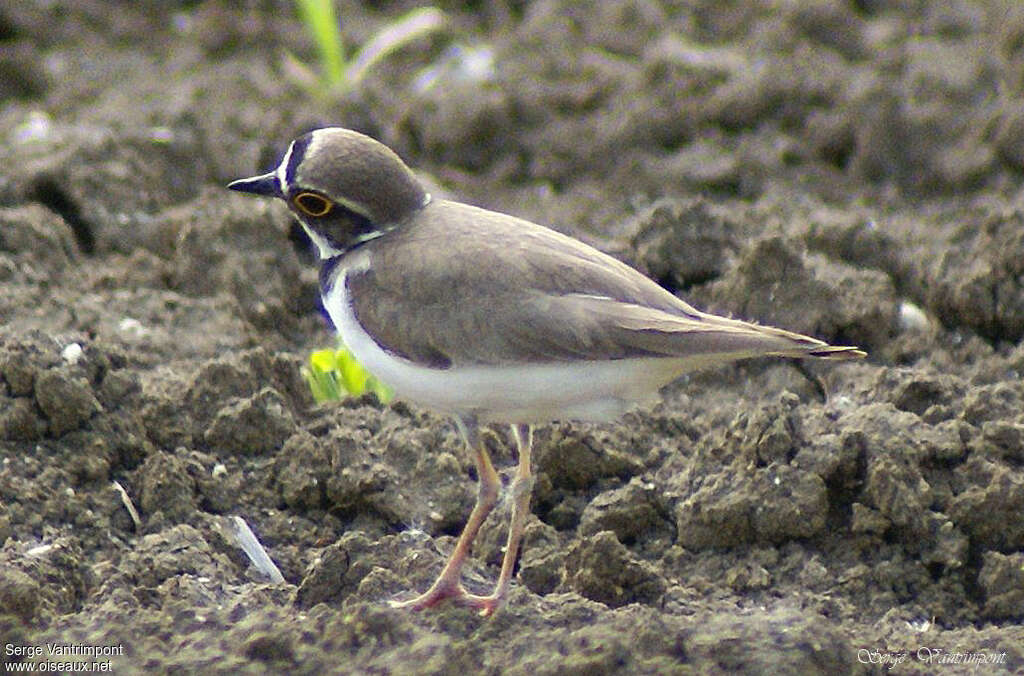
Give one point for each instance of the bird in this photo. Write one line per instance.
(491, 319)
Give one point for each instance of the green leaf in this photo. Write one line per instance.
(334, 374)
(353, 375)
(413, 24)
(337, 74)
(323, 361)
(322, 24)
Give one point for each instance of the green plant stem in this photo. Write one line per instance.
(320, 20)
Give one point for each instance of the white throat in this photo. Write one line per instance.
(324, 247)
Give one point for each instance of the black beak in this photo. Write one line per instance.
(258, 185)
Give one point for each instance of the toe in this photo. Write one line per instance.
(485, 605)
(437, 593)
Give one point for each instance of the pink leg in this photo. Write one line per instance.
(448, 583)
(521, 489)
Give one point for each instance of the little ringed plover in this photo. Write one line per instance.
(491, 318)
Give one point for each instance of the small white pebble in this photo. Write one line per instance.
(843, 402)
(132, 326)
(219, 470)
(72, 353)
(36, 127)
(912, 317)
(40, 550)
(922, 625)
(161, 134)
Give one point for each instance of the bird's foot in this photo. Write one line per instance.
(442, 591)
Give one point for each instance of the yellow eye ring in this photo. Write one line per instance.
(312, 204)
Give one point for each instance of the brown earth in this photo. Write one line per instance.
(847, 169)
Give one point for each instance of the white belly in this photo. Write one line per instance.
(521, 393)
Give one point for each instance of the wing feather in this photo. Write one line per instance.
(505, 290)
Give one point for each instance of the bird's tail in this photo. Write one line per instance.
(775, 342)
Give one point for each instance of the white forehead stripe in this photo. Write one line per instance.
(310, 147)
(282, 169)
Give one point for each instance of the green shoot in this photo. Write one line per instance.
(322, 24)
(335, 374)
(338, 75)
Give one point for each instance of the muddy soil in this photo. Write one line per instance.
(854, 170)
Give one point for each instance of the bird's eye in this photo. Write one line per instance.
(312, 204)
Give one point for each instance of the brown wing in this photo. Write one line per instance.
(502, 289)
